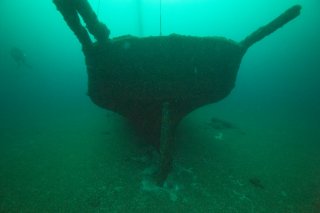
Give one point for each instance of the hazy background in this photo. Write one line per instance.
(281, 70)
(275, 101)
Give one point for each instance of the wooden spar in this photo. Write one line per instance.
(266, 30)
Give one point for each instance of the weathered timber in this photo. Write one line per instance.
(155, 81)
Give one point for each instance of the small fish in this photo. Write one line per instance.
(218, 124)
(221, 125)
(19, 57)
(256, 182)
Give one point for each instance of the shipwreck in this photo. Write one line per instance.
(155, 81)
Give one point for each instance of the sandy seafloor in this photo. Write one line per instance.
(61, 153)
(89, 160)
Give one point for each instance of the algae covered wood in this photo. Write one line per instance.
(186, 71)
(155, 81)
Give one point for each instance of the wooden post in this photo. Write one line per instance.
(166, 142)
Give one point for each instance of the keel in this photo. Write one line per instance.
(166, 145)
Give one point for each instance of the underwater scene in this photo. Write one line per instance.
(160, 106)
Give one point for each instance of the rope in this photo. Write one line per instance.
(160, 18)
